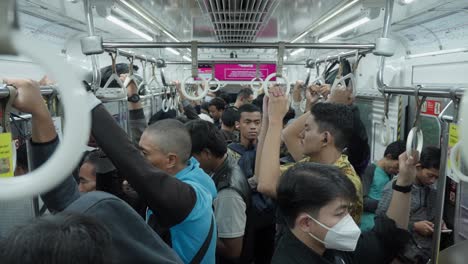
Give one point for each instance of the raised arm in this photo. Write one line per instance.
(261, 137)
(269, 171)
(44, 141)
(400, 203)
(164, 194)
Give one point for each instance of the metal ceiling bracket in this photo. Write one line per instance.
(279, 66)
(194, 52)
(8, 22)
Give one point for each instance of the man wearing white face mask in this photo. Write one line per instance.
(314, 200)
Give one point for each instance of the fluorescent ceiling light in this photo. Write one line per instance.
(337, 12)
(435, 53)
(126, 26)
(405, 2)
(148, 19)
(186, 58)
(173, 51)
(294, 53)
(345, 29)
(321, 22)
(124, 13)
(137, 11)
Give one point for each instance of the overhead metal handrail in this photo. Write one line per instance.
(76, 129)
(196, 84)
(255, 45)
(348, 54)
(214, 81)
(278, 73)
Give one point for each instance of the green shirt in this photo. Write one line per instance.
(381, 178)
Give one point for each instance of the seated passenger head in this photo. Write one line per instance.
(245, 96)
(208, 144)
(314, 198)
(250, 122)
(55, 239)
(230, 117)
(216, 108)
(97, 173)
(329, 125)
(389, 163)
(167, 145)
(428, 166)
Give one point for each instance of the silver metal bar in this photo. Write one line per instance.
(45, 91)
(255, 45)
(347, 54)
(88, 10)
(228, 62)
(433, 91)
(387, 18)
(441, 184)
(130, 54)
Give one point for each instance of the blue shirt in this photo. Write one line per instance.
(188, 236)
(381, 178)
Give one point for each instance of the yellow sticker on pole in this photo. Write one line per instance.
(6, 155)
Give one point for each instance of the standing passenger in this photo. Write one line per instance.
(216, 108)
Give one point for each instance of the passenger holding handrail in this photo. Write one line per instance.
(125, 226)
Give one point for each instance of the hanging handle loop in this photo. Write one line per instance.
(279, 72)
(198, 88)
(415, 133)
(105, 93)
(213, 81)
(256, 83)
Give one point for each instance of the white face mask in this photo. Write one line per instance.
(343, 236)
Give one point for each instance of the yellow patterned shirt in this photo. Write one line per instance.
(345, 166)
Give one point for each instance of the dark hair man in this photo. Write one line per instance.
(423, 199)
(233, 199)
(375, 178)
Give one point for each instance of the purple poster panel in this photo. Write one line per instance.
(242, 72)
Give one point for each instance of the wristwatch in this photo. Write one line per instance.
(402, 189)
(134, 98)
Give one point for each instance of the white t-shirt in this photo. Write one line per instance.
(230, 213)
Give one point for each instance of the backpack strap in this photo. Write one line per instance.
(204, 248)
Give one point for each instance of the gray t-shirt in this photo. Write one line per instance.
(230, 213)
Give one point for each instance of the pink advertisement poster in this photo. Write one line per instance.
(242, 72)
(204, 73)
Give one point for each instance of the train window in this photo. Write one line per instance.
(431, 130)
(365, 111)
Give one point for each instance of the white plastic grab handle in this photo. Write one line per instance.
(414, 132)
(76, 130)
(256, 84)
(267, 80)
(216, 82)
(385, 132)
(464, 127)
(189, 96)
(453, 163)
(342, 82)
(165, 106)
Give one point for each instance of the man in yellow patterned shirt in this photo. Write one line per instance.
(318, 136)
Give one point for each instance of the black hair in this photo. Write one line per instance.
(161, 115)
(230, 116)
(244, 93)
(228, 98)
(56, 239)
(206, 135)
(219, 103)
(258, 102)
(172, 136)
(335, 118)
(308, 186)
(430, 158)
(395, 149)
(289, 115)
(331, 73)
(205, 106)
(249, 108)
(182, 119)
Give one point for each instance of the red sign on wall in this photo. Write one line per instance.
(431, 107)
